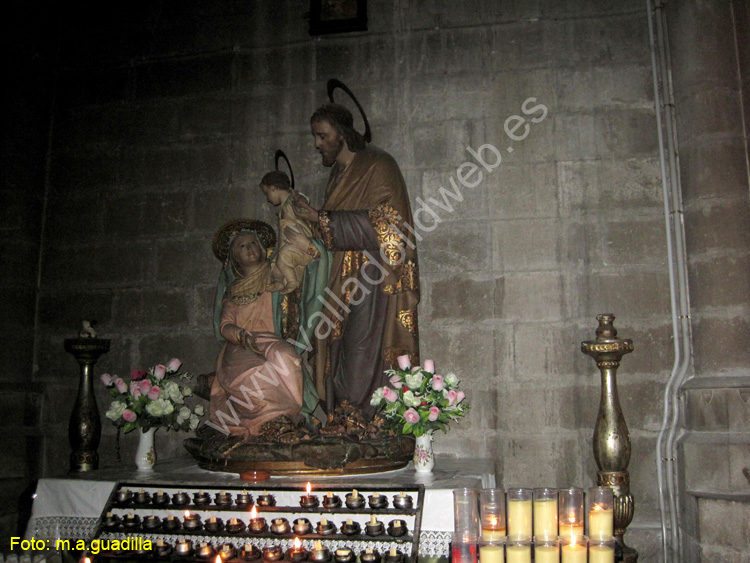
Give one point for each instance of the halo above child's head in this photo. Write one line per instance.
(280, 154)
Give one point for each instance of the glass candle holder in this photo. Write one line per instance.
(466, 514)
(492, 513)
(463, 550)
(519, 513)
(518, 550)
(574, 549)
(600, 501)
(601, 551)
(547, 551)
(250, 552)
(492, 551)
(320, 553)
(545, 513)
(570, 512)
(369, 555)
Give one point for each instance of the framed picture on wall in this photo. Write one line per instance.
(337, 16)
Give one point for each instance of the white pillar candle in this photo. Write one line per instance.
(546, 554)
(601, 554)
(519, 518)
(545, 518)
(601, 522)
(518, 553)
(491, 554)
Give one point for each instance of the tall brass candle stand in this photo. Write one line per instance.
(85, 427)
(611, 438)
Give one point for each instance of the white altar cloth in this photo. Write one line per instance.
(68, 507)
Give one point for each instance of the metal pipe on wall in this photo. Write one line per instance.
(678, 280)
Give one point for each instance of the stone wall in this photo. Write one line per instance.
(167, 114)
(26, 112)
(712, 99)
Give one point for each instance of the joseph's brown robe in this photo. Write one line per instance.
(372, 307)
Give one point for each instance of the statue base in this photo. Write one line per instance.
(349, 444)
(321, 455)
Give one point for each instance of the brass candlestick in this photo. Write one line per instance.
(85, 427)
(611, 438)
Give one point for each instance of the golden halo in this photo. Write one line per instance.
(224, 236)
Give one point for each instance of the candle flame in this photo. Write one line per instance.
(572, 518)
(597, 507)
(86, 560)
(297, 543)
(187, 514)
(218, 559)
(573, 540)
(253, 513)
(309, 487)
(493, 521)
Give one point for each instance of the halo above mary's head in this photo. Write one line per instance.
(226, 233)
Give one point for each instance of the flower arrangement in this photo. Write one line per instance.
(152, 399)
(419, 400)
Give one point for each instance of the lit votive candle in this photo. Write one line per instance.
(519, 513)
(545, 513)
(570, 512)
(600, 502)
(492, 532)
(571, 527)
(297, 552)
(257, 524)
(601, 551)
(573, 549)
(601, 522)
(309, 500)
(492, 513)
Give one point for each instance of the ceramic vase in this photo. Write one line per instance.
(145, 455)
(424, 458)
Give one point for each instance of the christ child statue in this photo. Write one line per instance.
(290, 263)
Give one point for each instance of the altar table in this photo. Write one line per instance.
(69, 507)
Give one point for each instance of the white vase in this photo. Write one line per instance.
(145, 455)
(424, 458)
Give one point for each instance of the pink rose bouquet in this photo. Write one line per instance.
(418, 400)
(152, 398)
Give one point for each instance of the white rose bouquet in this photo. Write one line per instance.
(419, 400)
(152, 399)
